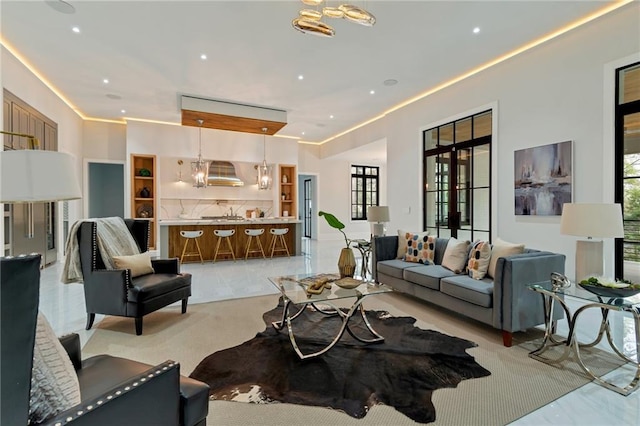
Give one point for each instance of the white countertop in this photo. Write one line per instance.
(266, 221)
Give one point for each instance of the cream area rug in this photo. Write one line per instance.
(517, 384)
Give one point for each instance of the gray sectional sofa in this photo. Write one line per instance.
(504, 302)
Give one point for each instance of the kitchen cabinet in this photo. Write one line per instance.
(288, 194)
(143, 192)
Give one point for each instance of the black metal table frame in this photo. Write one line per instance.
(550, 340)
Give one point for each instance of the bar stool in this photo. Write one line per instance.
(254, 233)
(278, 235)
(191, 235)
(224, 234)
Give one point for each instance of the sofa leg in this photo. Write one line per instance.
(184, 305)
(138, 326)
(507, 338)
(90, 318)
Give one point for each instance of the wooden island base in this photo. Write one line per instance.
(175, 242)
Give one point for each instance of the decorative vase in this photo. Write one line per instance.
(145, 193)
(346, 263)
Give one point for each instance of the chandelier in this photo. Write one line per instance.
(264, 170)
(309, 21)
(200, 168)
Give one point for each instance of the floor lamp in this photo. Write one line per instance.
(591, 221)
(378, 216)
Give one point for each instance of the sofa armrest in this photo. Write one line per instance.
(517, 308)
(382, 248)
(71, 344)
(166, 266)
(149, 398)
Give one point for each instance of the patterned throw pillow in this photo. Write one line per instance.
(420, 248)
(54, 383)
(402, 236)
(479, 258)
(455, 255)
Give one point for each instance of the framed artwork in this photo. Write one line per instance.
(543, 179)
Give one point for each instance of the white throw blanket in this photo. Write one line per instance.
(113, 239)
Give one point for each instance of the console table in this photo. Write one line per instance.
(551, 296)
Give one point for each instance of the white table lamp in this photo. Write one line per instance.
(31, 176)
(591, 220)
(378, 216)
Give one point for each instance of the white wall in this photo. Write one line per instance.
(550, 94)
(21, 82)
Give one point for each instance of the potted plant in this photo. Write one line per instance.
(347, 261)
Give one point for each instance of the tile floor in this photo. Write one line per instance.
(590, 405)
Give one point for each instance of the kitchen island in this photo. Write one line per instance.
(171, 242)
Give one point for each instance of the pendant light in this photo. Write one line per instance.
(264, 170)
(200, 168)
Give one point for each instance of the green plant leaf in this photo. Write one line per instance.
(332, 220)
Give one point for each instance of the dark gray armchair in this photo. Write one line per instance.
(113, 390)
(115, 292)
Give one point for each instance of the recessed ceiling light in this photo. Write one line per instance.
(301, 77)
(112, 96)
(203, 56)
(302, 133)
(331, 116)
(105, 81)
(476, 30)
(372, 92)
(390, 82)
(75, 29)
(123, 111)
(61, 6)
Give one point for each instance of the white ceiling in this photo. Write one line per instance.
(150, 53)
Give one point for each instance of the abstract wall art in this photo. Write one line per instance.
(543, 179)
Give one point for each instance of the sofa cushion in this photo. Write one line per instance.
(456, 255)
(394, 267)
(402, 238)
(501, 248)
(420, 248)
(148, 286)
(138, 264)
(463, 287)
(479, 258)
(427, 276)
(54, 384)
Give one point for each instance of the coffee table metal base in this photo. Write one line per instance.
(346, 316)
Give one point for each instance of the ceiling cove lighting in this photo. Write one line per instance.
(199, 168)
(309, 21)
(534, 43)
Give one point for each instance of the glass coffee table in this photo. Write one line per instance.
(295, 291)
(552, 295)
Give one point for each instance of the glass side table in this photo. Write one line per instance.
(364, 247)
(552, 295)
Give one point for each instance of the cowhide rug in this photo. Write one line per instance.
(402, 372)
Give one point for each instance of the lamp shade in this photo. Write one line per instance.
(592, 220)
(378, 214)
(30, 176)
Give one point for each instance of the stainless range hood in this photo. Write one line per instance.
(223, 173)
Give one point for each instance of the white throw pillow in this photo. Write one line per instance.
(479, 258)
(54, 383)
(140, 264)
(501, 248)
(402, 241)
(455, 255)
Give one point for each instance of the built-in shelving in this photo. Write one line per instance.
(143, 180)
(287, 190)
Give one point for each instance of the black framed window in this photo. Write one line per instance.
(627, 170)
(457, 178)
(364, 190)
